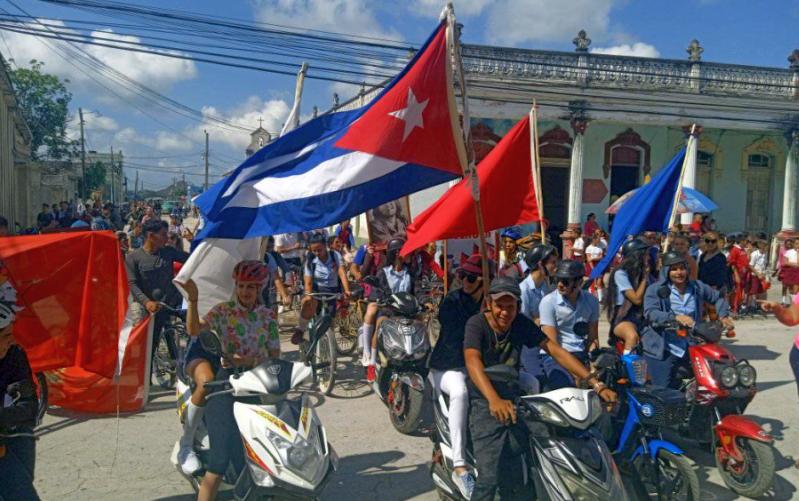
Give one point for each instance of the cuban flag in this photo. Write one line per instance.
(342, 164)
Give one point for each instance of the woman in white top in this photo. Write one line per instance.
(593, 255)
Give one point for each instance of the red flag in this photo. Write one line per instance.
(415, 120)
(74, 290)
(506, 194)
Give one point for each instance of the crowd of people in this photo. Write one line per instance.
(539, 313)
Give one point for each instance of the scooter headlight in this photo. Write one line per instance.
(729, 377)
(549, 413)
(747, 375)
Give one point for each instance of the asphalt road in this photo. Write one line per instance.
(127, 458)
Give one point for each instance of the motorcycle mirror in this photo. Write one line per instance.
(502, 373)
(581, 329)
(664, 292)
(605, 361)
(209, 340)
(158, 294)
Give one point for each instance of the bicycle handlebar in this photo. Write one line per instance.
(325, 296)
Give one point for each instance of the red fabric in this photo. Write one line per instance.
(75, 292)
(429, 264)
(83, 391)
(506, 193)
(738, 258)
(590, 227)
(425, 88)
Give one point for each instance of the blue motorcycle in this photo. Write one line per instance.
(653, 466)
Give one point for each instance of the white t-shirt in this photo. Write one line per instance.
(791, 256)
(758, 261)
(287, 240)
(594, 253)
(578, 247)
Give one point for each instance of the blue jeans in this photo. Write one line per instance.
(794, 359)
(16, 469)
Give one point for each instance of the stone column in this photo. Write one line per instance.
(689, 176)
(789, 190)
(574, 218)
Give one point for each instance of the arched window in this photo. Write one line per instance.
(627, 161)
(704, 172)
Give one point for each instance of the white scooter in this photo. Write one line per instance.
(285, 445)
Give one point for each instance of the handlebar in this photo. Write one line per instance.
(178, 312)
(325, 296)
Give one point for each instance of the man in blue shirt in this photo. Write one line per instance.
(542, 261)
(569, 317)
(675, 298)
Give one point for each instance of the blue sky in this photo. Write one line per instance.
(754, 32)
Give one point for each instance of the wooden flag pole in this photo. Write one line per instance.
(678, 192)
(446, 267)
(469, 169)
(534, 157)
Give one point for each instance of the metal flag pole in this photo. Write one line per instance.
(469, 170)
(535, 160)
(678, 192)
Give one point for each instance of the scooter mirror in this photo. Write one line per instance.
(502, 373)
(210, 342)
(158, 295)
(664, 292)
(581, 329)
(605, 361)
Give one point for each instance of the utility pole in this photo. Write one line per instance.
(206, 160)
(136, 186)
(113, 191)
(82, 156)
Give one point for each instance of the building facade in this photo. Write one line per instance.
(15, 141)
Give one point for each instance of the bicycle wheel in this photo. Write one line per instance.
(42, 394)
(326, 357)
(162, 367)
(346, 329)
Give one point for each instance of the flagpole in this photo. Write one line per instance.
(293, 118)
(469, 169)
(678, 192)
(446, 267)
(536, 160)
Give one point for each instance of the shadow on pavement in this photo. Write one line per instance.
(373, 476)
(753, 352)
(768, 385)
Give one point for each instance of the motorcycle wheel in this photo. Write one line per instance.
(346, 333)
(673, 470)
(162, 367)
(42, 394)
(405, 408)
(757, 471)
(326, 353)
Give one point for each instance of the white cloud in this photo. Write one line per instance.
(247, 114)
(516, 21)
(152, 70)
(638, 49)
(430, 8)
(341, 16)
(168, 141)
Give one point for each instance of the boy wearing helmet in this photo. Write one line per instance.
(512, 264)
(248, 333)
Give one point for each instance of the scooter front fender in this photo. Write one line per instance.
(413, 380)
(734, 426)
(655, 446)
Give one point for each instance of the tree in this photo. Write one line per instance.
(44, 102)
(95, 176)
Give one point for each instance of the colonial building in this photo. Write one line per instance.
(608, 122)
(259, 138)
(15, 141)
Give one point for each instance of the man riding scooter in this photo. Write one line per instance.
(675, 298)
(496, 336)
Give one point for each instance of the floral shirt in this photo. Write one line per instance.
(243, 331)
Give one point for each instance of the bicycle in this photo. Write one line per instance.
(320, 350)
(348, 319)
(173, 338)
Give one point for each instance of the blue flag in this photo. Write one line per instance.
(649, 209)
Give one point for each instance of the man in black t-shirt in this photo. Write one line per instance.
(496, 337)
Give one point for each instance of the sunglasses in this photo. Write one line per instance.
(469, 277)
(710, 240)
(566, 281)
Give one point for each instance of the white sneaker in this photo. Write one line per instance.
(188, 460)
(464, 483)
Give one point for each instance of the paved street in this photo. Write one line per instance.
(128, 458)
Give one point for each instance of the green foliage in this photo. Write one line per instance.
(95, 176)
(44, 102)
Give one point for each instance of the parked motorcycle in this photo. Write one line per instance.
(570, 461)
(654, 467)
(402, 349)
(287, 452)
(718, 388)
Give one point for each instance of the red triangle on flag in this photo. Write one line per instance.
(415, 121)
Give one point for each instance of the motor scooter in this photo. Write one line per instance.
(285, 445)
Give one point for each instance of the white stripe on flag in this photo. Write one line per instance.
(347, 171)
(211, 267)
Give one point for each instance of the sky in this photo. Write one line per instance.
(749, 32)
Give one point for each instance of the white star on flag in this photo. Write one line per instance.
(411, 114)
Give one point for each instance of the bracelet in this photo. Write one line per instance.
(599, 386)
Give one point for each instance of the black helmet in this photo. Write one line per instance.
(405, 303)
(634, 245)
(671, 258)
(538, 254)
(393, 248)
(317, 238)
(570, 269)
(502, 286)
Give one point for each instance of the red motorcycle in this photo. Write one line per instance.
(718, 389)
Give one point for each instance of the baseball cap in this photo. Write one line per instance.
(504, 286)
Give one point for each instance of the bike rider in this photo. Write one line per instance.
(248, 333)
(447, 366)
(495, 337)
(628, 283)
(560, 311)
(675, 298)
(542, 262)
(18, 410)
(513, 263)
(394, 278)
(324, 272)
(149, 269)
